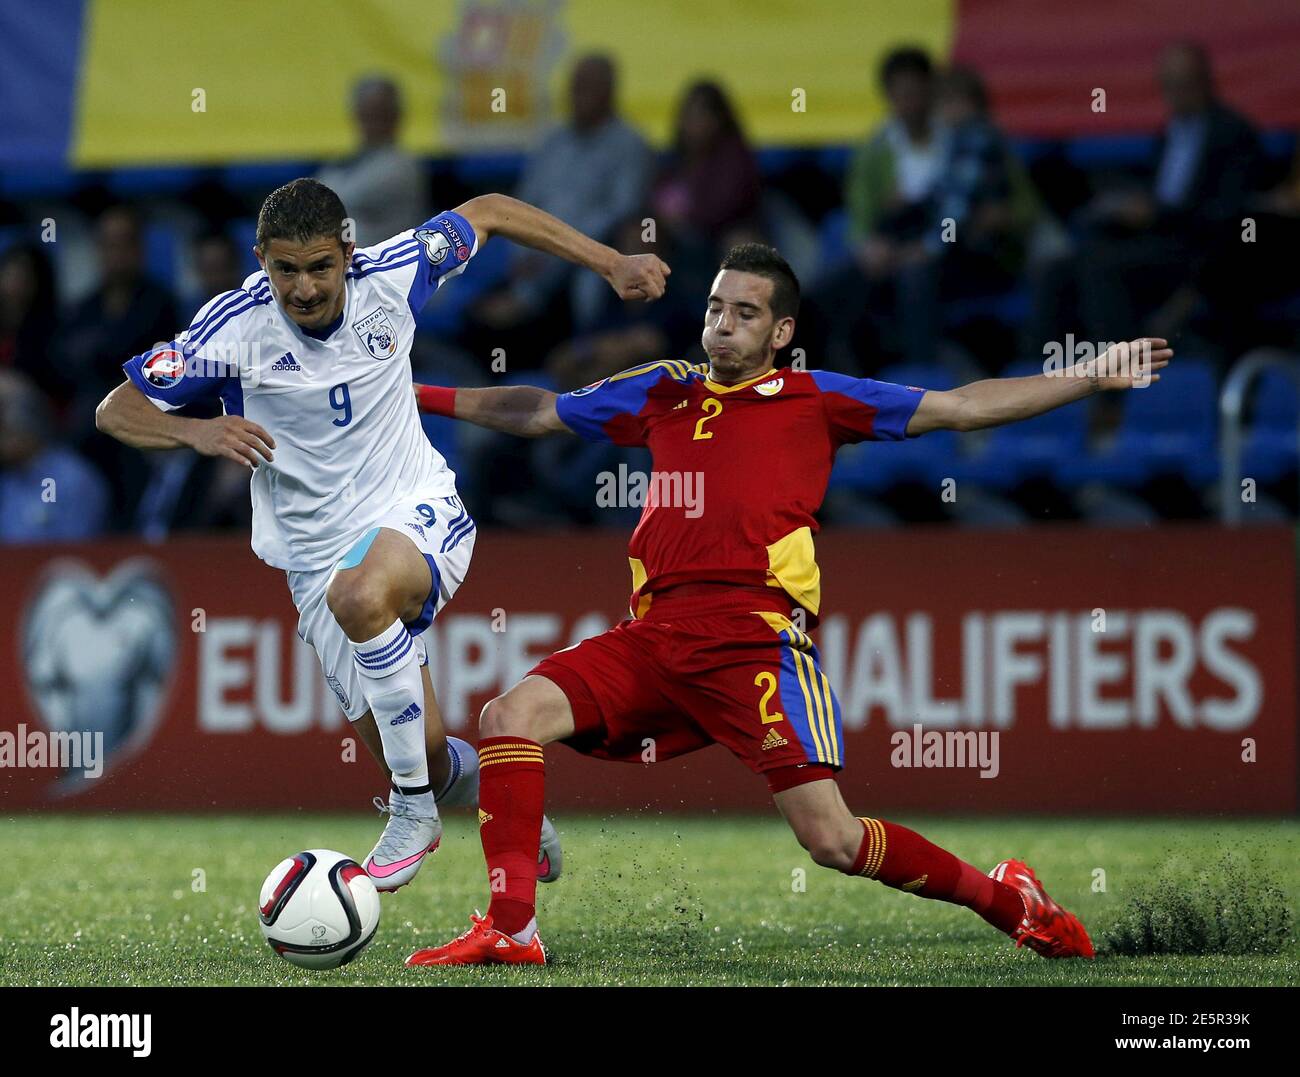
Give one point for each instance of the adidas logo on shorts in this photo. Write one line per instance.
(773, 740)
(286, 362)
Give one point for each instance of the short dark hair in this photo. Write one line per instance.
(908, 59)
(302, 210)
(764, 261)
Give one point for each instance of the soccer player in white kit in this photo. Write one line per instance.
(310, 360)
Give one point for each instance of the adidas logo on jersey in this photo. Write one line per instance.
(773, 740)
(683, 404)
(409, 715)
(286, 362)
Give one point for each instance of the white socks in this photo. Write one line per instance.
(394, 689)
(461, 790)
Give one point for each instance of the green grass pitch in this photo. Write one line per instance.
(646, 899)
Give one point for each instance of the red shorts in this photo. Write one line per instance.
(717, 668)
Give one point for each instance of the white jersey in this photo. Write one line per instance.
(339, 404)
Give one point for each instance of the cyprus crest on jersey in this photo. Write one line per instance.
(377, 334)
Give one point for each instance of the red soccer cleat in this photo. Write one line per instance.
(1047, 929)
(482, 944)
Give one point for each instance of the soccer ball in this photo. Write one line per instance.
(318, 909)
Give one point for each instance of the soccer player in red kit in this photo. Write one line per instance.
(714, 651)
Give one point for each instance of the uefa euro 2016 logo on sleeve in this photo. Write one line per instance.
(436, 245)
(377, 334)
(164, 368)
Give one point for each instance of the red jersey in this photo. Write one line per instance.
(738, 470)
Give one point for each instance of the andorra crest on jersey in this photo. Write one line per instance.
(377, 334)
(770, 388)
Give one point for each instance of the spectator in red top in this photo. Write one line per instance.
(711, 184)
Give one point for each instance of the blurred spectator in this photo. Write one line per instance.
(216, 268)
(383, 186)
(126, 315)
(711, 182)
(892, 177)
(889, 195)
(709, 188)
(939, 209)
(27, 316)
(1147, 248)
(982, 187)
(592, 173)
(47, 492)
(980, 216)
(1265, 312)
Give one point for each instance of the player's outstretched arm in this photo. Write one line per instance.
(127, 415)
(523, 410)
(997, 401)
(632, 276)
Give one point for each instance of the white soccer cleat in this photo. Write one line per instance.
(550, 857)
(407, 839)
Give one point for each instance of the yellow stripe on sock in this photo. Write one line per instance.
(875, 846)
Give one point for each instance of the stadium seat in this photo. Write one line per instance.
(1010, 308)
(243, 234)
(833, 239)
(1168, 428)
(1270, 449)
(150, 182)
(835, 159)
(875, 466)
(161, 247)
(1110, 151)
(9, 235)
(1278, 144)
(480, 169)
(1031, 449)
(264, 176)
(40, 181)
(443, 433)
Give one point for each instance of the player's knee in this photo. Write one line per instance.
(503, 717)
(825, 848)
(359, 604)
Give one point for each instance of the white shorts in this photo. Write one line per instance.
(442, 530)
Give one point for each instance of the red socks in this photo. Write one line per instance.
(510, 786)
(901, 858)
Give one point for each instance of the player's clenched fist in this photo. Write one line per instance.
(638, 276)
(233, 437)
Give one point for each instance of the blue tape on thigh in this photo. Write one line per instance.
(359, 550)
